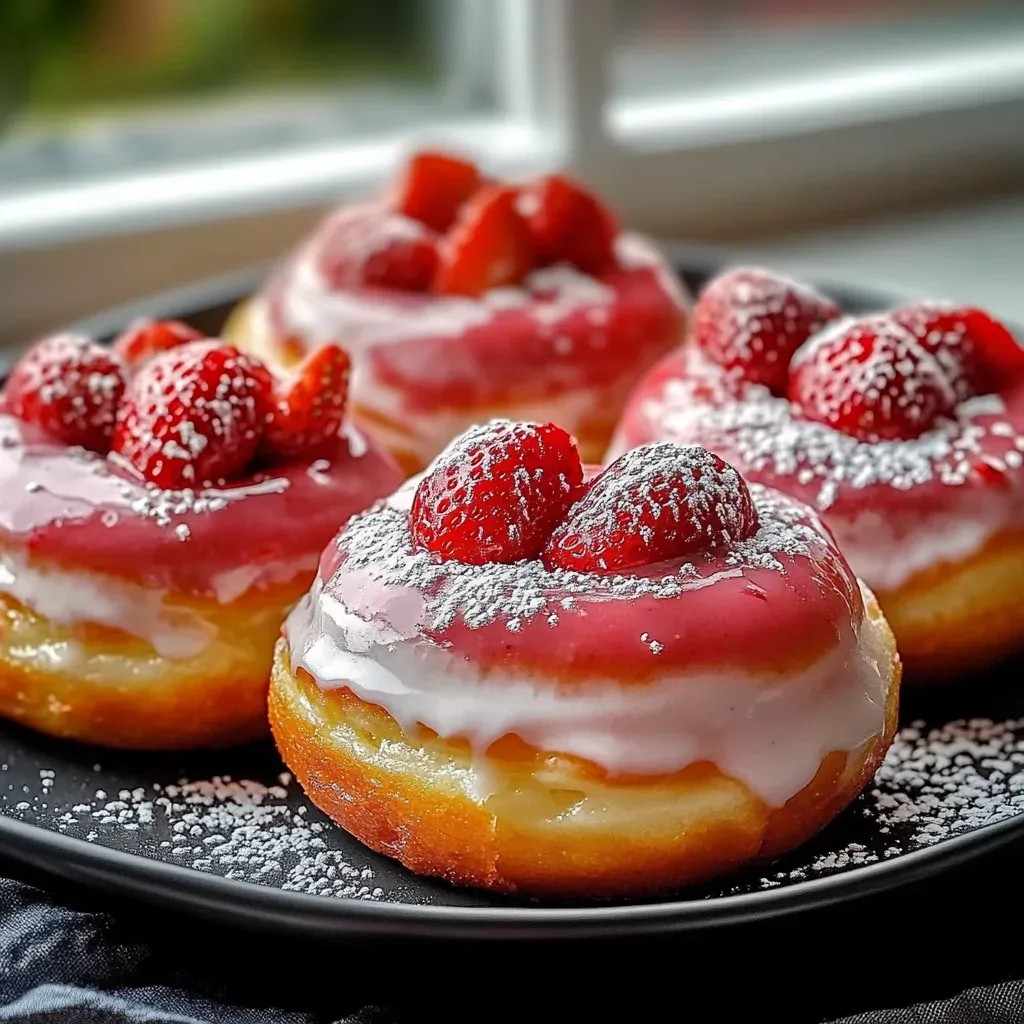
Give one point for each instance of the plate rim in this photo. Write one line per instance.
(271, 907)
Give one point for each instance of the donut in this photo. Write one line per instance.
(525, 676)
(462, 300)
(904, 429)
(163, 506)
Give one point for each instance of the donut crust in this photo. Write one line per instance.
(961, 616)
(540, 824)
(102, 686)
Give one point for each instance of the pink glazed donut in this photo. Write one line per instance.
(904, 430)
(524, 727)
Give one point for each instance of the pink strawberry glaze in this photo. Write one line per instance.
(560, 332)
(84, 512)
(896, 508)
(778, 600)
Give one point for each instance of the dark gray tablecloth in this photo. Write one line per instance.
(66, 962)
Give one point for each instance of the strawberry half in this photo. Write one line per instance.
(147, 338)
(872, 379)
(433, 188)
(980, 355)
(495, 494)
(488, 247)
(70, 387)
(307, 409)
(568, 224)
(193, 415)
(750, 322)
(656, 502)
(367, 246)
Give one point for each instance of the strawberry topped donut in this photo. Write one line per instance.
(525, 675)
(904, 429)
(162, 506)
(461, 299)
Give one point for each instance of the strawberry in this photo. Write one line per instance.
(568, 224)
(751, 321)
(307, 410)
(193, 415)
(146, 338)
(495, 494)
(978, 352)
(488, 246)
(656, 502)
(366, 246)
(70, 387)
(433, 188)
(872, 379)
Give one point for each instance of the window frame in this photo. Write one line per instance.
(736, 166)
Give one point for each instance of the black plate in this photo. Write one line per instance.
(228, 834)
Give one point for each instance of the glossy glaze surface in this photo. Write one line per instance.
(76, 511)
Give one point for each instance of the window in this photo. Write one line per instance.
(705, 118)
(714, 48)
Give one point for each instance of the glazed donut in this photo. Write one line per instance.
(517, 302)
(517, 676)
(905, 430)
(140, 601)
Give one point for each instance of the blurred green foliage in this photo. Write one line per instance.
(60, 57)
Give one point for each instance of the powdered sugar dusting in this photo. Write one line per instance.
(764, 435)
(658, 494)
(758, 301)
(872, 378)
(69, 386)
(193, 414)
(379, 541)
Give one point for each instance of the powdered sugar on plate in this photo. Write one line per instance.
(240, 829)
(937, 782)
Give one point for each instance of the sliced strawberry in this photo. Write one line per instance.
(433, 188)
(308, 409)
(488, 247)
(495, 493)
(193, 415)
(656, 502)
(147, 338)
(568, 224)
(872, 379)
(751, 322)
(366, 246)
(978, 352)
(70, 387)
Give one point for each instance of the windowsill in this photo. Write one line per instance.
(968, 252)
(270, 183)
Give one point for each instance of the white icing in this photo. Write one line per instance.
(70, 598)
(73, 598)
(772, 735)
(889, 557)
